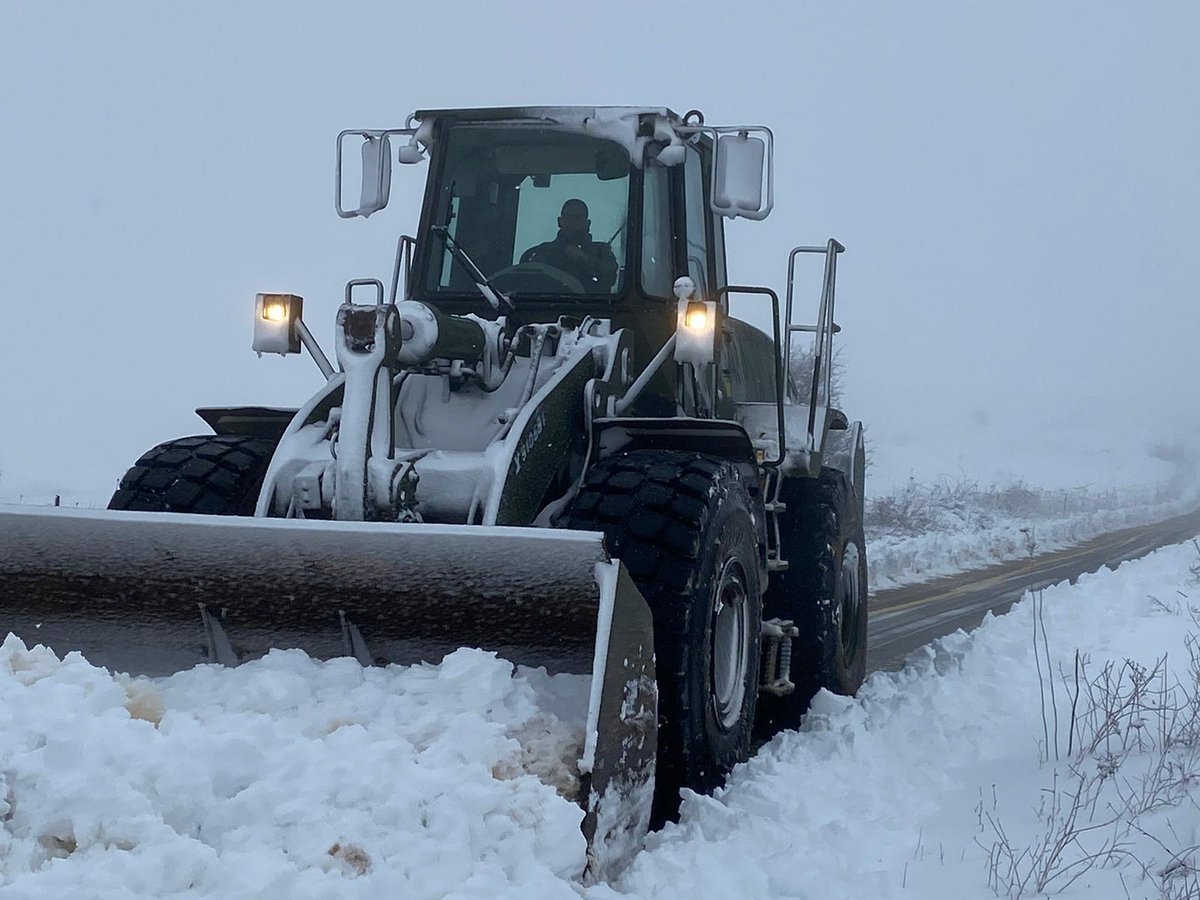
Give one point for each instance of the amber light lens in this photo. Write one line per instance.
(275, 310)
(696, 318)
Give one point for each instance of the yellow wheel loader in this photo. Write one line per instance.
(545, 436)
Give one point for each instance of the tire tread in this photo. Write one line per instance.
(653, 507)
(208, 474)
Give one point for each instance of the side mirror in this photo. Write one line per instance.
(376, 182)
(411, 153)
(376, 175)
(741, 166)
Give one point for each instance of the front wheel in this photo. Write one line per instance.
(212, 474)
(683, 524)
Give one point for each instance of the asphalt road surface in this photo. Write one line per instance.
(910, 617)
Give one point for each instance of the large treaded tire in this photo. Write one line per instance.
(684, 526)
(218, 475)
(823, 591)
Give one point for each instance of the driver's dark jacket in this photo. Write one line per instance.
(592, 262)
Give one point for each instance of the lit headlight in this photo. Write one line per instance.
(696, 317)
(695, 332)
(275, 323)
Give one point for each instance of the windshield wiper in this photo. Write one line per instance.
(497, 298)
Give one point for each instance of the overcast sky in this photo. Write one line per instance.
(1016, 183)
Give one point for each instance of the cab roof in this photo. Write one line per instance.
(564, 114)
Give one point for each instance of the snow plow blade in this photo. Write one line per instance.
(155, 593)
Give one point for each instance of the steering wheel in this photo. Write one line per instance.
(536, 277)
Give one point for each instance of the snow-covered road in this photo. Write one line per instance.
(904, 619)
(293, 778)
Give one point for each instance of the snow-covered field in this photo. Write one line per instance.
(293, 778)
(936, 508)
(927, 530)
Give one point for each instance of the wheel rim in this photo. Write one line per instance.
(730, 644)
(850, 598)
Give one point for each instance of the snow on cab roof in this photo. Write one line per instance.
(630, 126)
(561, 114)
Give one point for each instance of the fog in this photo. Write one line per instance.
(1016, 185)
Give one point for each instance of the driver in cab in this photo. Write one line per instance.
(574, 252)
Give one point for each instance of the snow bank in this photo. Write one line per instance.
(284, 777)
(889, 794)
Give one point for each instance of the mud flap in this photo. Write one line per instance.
(155, 593)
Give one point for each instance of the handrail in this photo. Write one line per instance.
(404, 252)
(824, 329)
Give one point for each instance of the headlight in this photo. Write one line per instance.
(275, 310)
(696, 317)
(695, 332)
(275, 323)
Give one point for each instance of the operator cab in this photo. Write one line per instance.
(503, 184)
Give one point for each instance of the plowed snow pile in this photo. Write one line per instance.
(281, 778)
(963, 776)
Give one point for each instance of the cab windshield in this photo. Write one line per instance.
(538, 210)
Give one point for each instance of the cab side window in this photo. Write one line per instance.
(658, 267)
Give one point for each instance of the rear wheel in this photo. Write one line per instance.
(217, 474)
(823, 591)
(683, 525)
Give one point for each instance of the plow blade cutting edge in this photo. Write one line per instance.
(155, 593)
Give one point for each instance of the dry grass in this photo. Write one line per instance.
(1125, 749)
